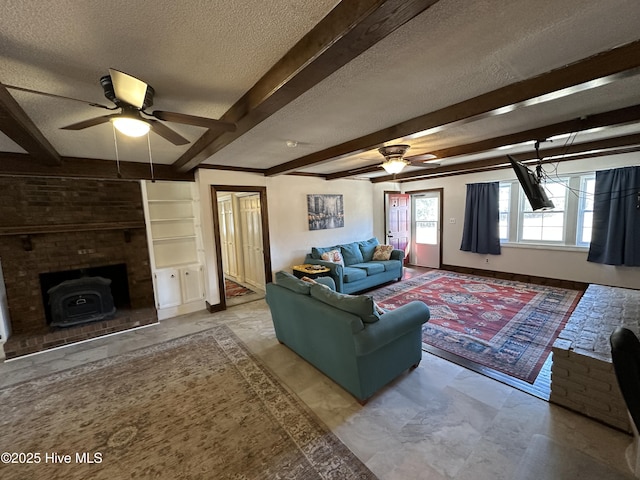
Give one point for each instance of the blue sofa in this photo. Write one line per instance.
(343, 336)
(360, 271)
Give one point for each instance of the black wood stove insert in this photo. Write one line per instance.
(86, 299)
(74, 297)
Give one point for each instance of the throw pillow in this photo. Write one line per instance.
(333, 256)
(316, 252)
(360, 305)
(286, 280)
(382, 252)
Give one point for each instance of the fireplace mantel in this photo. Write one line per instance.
(68, 227)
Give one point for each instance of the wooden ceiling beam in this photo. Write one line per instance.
(611, 118)
(589, 73)
(577, 156)
(23, 165)
(17, 125)
(348, 30)
(559, 154)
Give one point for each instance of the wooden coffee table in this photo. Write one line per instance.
(309, 270)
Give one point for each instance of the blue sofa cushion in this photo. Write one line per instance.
(360, 305)
(352, 274)
(351, 253)
(390, 264)
(367, 247)
(370, 267)
(292, 283)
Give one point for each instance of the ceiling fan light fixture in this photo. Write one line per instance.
(394, 163)
(132, 127)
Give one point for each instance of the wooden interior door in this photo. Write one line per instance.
(399, 222)
(252, 245)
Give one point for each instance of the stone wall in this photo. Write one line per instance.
(582, 375)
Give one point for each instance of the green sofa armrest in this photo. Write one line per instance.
(391, 325)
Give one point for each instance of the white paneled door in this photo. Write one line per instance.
(252, 246)
(228, 237)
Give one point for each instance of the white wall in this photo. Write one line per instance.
(567, 264)
(289, 233)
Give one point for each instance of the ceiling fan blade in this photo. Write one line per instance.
(193, 120)
(89, 123)
(53, 95)
(166, 133)
(127, 88)
(422, 164)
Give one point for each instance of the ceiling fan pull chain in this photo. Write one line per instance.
(115, 141)
(153, 180)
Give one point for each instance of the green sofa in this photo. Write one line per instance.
(343, 336)
(360, 271)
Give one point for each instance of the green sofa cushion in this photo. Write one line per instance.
(286, 280)
(352, 274)
(370, 267)
(360, 305)
(351, 253)
(367, 247)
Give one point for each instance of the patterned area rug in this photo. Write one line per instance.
(503, 325)
(197, 407)
(233, 289)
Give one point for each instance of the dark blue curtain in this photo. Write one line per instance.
(615, 238)
(481, 232)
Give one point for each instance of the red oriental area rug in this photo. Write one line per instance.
(233, 289)
(503, 325)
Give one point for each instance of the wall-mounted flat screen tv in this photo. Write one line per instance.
(531, 186)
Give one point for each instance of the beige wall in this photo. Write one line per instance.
(289, 232)
(561, 263)
(364, 217)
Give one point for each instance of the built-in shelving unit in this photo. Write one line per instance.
(173, 228)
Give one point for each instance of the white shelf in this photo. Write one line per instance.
(181, 219)
(171, 239)
(176, 265)
(173, 233)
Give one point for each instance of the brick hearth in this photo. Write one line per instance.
(52, 225)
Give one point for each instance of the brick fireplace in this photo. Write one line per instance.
(52, 225)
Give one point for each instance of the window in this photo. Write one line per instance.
(585, 211)
(569, 223)
(545, 226)
(504, 202)
(426, 220)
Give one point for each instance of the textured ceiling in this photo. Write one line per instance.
(202, 56)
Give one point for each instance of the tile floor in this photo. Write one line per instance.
(440, 421)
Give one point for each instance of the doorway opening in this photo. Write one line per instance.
(242, 243)
(413, 222)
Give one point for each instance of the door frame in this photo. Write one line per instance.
(266, 245)
(440, 191)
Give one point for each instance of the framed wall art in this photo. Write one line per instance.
(325, 211)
